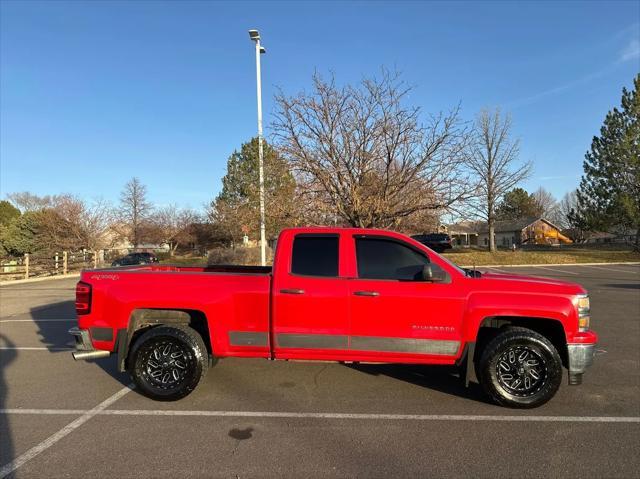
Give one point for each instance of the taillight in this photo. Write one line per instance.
(83, 298)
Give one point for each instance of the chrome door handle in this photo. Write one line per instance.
(292, 291)
(366, 293)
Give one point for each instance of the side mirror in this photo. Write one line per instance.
(427, 273)
(433, 274)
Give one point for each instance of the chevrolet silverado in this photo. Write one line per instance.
(337, 294)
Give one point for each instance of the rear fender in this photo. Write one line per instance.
(142, 319)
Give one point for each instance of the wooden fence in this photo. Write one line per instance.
(39, 265)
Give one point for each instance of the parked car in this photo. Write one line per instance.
(338, 294)
(135, 258)
(438, 242)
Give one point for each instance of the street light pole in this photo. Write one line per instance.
(255, 36)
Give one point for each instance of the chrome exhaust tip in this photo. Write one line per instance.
(95, 354)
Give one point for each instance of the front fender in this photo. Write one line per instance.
(518, 305)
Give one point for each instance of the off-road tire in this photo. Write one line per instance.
(524, 355)
(168, 362)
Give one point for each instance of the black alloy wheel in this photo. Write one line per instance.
(520, 368)
(168, 362)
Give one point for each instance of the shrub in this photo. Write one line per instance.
(240, 255)
(163, 255)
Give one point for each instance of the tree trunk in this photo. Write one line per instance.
(491, 216)
(492, 237)
(637, 243)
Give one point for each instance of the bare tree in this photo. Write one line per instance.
(362, 157)
(65, 222)
(546, 203)
(135, 210)
(175, 226)
(493, 159)
(567, 206)
(26, 201)
(86, 223)
(569, 219)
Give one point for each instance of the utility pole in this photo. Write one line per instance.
(255, 36)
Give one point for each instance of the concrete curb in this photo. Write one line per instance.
(37, 280)
(549, 264)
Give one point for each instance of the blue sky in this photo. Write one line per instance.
(93, 93)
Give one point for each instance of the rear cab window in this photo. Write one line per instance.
(315, 255)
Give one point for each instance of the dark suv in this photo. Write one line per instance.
(438, 242)
(135, 258)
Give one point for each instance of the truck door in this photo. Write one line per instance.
(310, 317)
(395, 314)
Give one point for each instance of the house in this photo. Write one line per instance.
(116, 242)
(464, 233)
(525, 231)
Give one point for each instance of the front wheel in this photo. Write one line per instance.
(520, 368)
(168, 362)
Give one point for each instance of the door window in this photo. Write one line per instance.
(315, 255)
(380, 258)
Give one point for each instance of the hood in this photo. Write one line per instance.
(535, 283)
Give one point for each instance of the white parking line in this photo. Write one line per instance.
(632, 267)
(37, 320)
(609, 269)
(329, 415)
(51, 440)
(556, 270)
(26, 348)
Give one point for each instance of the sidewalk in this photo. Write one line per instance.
(43, 278)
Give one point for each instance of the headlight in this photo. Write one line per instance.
(584, 310)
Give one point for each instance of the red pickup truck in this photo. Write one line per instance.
(337, 294)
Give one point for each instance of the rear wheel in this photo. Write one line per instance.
(168, 362)
(520, 368)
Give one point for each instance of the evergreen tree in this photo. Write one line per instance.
(517, 204)
(609, 194)
(8, 213)
(23, 235)
(236, 210)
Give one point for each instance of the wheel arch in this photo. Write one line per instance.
(550, 328)
(141, 319)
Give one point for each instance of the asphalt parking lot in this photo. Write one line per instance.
(255, 418)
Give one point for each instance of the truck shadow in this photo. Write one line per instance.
(445, 379)
(7, 356)
(622, 285)
(50, 324)
(55, 337)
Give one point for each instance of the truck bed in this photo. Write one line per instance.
(234, 298)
